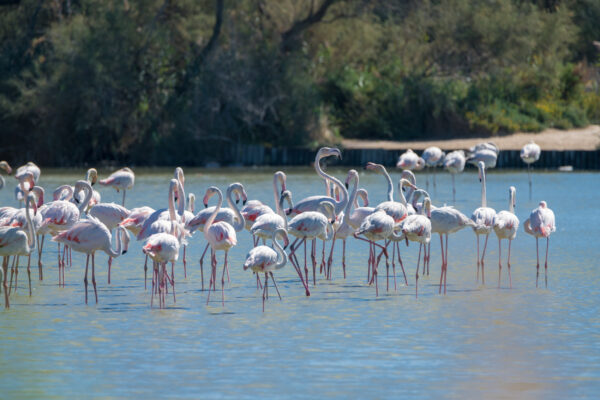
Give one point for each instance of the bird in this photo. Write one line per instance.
(122, 179)
(506, 225)
(221, 236)
(454, 162)
(486, 152)
(266, 224)
(310, 225)
(92, 177)
(484, 220)
(530, 153)
(541, 224)
(261, 218)
(30, 167)
(264, 259)
(358, 214)
(433, 157)
(15, 241)
(111, 215)
(409, 160)
(6, 167)
(88, 236)
(417, 228)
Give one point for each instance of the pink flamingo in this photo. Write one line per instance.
(358, 214)
(540, 224)
(16, 242)
(220, 236)
(455, 164)
(111, 215)
(88, 236)
(255, 208)
(506, 224)
(433, 157)
(60, 215)
(530, 153)
(263, 259)
(484, 221)
(417, 228)
(409, 160)
(122, 179)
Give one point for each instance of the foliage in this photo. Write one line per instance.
(186, 82)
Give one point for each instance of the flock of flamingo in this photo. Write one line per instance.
(77, 219)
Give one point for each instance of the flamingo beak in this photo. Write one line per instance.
(124, 251)
(237, 201)
(288, 211)
(346, 185)
(205, 205)
(244, 202)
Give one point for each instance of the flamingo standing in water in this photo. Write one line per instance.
(484, 221)
(255, 208)
(4, 166)
(220, 236)
(505, 226)
(122, 179)
(530, 153)
(14, 241)
(263, 259)
(455, 164)
(88, 236)
(409, 160)
(265, 223)
(486, 152)
(433, 156)
(417, 228)
(540, 224)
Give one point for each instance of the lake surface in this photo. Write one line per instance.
(343, 342)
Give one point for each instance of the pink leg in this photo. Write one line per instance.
(508, 264)
(417, 272)
(265, 290)
(275, 284)
(85, 280)
(173, 280)
(212, 267)
(537, 267)
(109, 265)
(146, 271)
(330, 259)
(94, 277)
(446, 264)
(184, 263)
(499, 261)
(29, 272)
(482, 258)
(401, 264)
(314, 260)
(201, 263)
(294, 260)
(477, 257)
(546, 263)
(305, 264)
(40, 249)
(223, 280)
(4, 281)
(442, 272)
(344, 257)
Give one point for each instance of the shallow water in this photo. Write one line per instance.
(477, 341)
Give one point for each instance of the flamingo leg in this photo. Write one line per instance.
(145, 272)
(109, 266)
(313, 256)
(184, 263)
(212, 267)
(85, 279)
(305, 266)
(265, 290)
(29, 272)
(537, 267)
(173, 280)
(296, 263)
(508, 264)
(275, 284)
(477, 257)
(401, 264)
(4, 281)
(58, 252)
(453, 189)
(153, 283)
(344, 257)
(499, 261)
(442, 269)
(482, 258)
(12, 273)
(94, 277)
(201, 263)
(417, 272)
(446, 265)
(124, 191)
(40, 248)
(258, 282)
(546, 263)
(330, 259)
(223, 280)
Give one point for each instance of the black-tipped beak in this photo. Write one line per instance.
(346, 185)
(76, 200)
(332, 221)
(93, 183)
(244, 202)
(237, 201)
(124, 251)
(288, 211)
(176, 198)
(285, 247)
(280, 193)
(205, 205)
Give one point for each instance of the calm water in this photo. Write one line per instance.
(340, 342)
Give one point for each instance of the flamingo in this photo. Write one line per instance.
(92, 177)
(455, 164)
(263, 259)
(231, 216)
(358, 214)
(60, 215)
(530, 153)
(88, 236)
(409, 160)
(30, 167)
(540, 224)
(122, 179)
(486, 152)
(484, 221)
(255, 208)
(26, 181)
(417, 228)
(268, 223)
(308, 226)
(4, 165)
(111, 215)
(14, 241)
(433, 156)
(221, 236)
(505, 227)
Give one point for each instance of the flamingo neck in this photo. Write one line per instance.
(86, 199)
(116, 253)
(30, 231)
(238, 222)
(390, 188)
(282, 257)
(400, 192)
(352, 201)
(281, 213)
(483, 192)
(511, 202)
(214, 214)
(276, 193)
(338, 205)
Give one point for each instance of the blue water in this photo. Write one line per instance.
(477, 341)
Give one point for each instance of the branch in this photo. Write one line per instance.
(289, 38)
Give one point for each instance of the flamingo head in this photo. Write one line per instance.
(4, 165)
(281, 177)
(39, 194)
(329, 151)
(543, 204)
(210, 192)
(512, 192)
(374, 167)
(92, 176)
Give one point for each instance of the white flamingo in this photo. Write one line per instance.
(530, 153)
(263, 259)
(221, 236)
(505, 227)
(122, 179)
(262, 222)
(455, 164)
(433, 157)
(486, 152)
(540, 224)
(88, 236)
(417, 228)
(484, 221)
(4, 166)
(409, 160)
(14, 241)
(255, 208)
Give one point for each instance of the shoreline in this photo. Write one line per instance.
(586, 139)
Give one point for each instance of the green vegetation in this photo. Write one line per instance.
(165, 82)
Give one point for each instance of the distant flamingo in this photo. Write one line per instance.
(484, 221)
(122, 179)
(409, 160)
(433, 157)
(485, 152)
(88, 236)
(263, 259)
(265, 214)
(16, 242)
(30, 167)
(505, 226)
(530, 153)
(220, 236)
(455, 164)
(4, 166)
(111, 215)
(267, 224)
(541, 224)
(417, 228)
